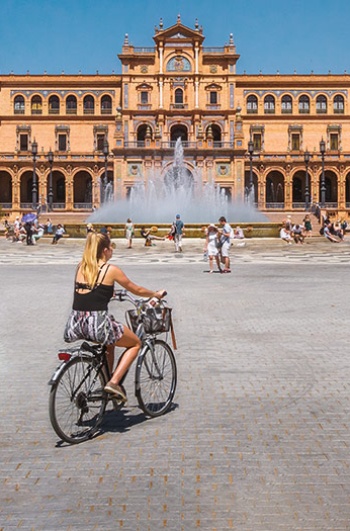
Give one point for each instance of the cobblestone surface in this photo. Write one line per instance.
(259, 435)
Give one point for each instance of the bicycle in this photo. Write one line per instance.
(77, 399)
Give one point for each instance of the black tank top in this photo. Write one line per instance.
(96, 299)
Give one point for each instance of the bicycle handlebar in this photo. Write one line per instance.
(124, 295)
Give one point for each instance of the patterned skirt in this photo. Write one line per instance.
(96, 326)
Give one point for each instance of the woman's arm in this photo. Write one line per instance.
(117, 275)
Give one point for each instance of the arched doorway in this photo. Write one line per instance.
(331, 183)
(250, 196)
(26, 189)
(347, 190)
(58, 189)
(82, 190)
(275, 190)
(178, 131)
(299, 189)
(5, 189)
(216, 133)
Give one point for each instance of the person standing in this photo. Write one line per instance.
(178, 232)
(129, 232)
(212, 247)
(225, 234)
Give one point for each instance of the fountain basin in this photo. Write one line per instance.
(193, 230)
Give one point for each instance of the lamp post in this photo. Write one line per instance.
(50, 159)
(307, 187)
(323, 182)
(34, 185)
(105, 179)
(250, 151)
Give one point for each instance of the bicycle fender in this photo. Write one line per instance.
(57, 372)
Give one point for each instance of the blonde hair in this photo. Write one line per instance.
(95, 244)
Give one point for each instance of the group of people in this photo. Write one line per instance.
(296, 232)
(30, 231)
(218, 242)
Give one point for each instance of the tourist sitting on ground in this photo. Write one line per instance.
(146, 233)
(297, 233)
(37, 234)
(327, 232)
(58, 234)
(238, 233)
(285, 235)
(337, 230)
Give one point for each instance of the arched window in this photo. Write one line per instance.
(179, 96)
(287, 104)
(106, 104)
(269, 105)
(321, 104)
(252, 104)
(19, 105)
(178, 131)
(71, 105)
(54, 105)
(36, 105)
(338, 104)
(89, 105)
(304, 104)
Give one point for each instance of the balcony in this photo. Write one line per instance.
(72, 110)
(175, 106)
(54, 111)
(106, 110)
(89, 111)
(19, 111)
(144, 106)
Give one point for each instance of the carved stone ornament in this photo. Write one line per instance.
(213, 69)
(15, 169)
(96, 169)
(69, 169)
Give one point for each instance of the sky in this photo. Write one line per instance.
(86, 35)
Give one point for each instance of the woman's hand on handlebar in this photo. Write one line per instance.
(160, 293)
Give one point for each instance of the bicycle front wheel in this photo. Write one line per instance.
(77, 400)
(155, 378)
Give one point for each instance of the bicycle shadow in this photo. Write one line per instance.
(120, 421)
(123, 420)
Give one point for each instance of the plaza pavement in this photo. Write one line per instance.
(259, 436)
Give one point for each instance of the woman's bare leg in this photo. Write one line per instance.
(132, 344)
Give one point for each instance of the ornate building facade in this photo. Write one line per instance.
(284, 140)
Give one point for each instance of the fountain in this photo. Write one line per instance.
(160, 197)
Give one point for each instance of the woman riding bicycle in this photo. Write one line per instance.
(89, 319)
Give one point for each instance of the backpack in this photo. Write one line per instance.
(322, 231)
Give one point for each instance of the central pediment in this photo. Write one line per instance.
(178, 33)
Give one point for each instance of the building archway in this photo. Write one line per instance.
(142, 132)
(26, 189)
(298, 189)
(331, 183)
(5, 189)
(58, 188)
(275, 189)
(177, 131)
(82, 190)
(250, 196)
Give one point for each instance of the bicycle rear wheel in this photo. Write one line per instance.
(155, 378)
(77, 400)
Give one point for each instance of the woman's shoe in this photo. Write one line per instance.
(116, 390)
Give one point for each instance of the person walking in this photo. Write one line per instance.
(225, 234)
(178, 230)
(129, 232)
(90, 319)
(212, 247)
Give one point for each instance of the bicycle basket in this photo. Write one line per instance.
(155, 320)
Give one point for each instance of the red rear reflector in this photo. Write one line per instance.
(64, 356)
